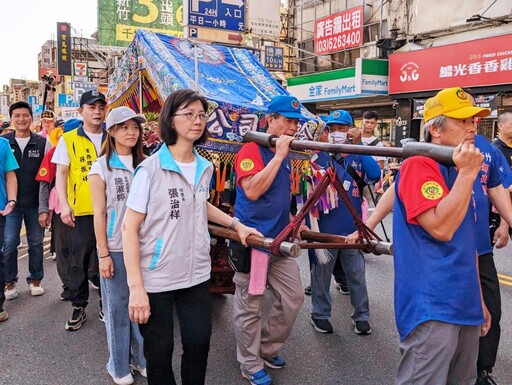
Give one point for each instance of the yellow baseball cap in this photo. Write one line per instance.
(454, 103)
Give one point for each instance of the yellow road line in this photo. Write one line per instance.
(505, 279)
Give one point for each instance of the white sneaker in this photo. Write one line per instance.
(53, 256)
(142, 371)
(10, 291)
(126, 380)
(36, 288)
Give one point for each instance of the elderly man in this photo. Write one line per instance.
(263, 202)
(438, 302)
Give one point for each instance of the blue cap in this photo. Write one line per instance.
(340, 117)
(71, 124)
(286, 105)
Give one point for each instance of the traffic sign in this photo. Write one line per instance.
(65, 100)
(219, 14)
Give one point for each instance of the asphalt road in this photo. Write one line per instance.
(36, 349)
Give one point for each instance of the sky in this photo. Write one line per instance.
(27, 24)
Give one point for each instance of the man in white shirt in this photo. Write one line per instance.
(75, 153)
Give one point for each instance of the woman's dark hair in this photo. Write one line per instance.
(180, 98)
(110, 146)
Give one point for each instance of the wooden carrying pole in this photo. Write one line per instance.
(441, 154)
(286, 248)
(333, 240)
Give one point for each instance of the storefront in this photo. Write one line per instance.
(355, 89)
(483, 67)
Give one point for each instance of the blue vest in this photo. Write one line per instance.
(435, 280)
(270, 214)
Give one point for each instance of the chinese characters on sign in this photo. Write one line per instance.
(274, 58)
(264, 17)
(221, 14)
(339, 31)
(64, 48)
(483, 62)
(119, 20)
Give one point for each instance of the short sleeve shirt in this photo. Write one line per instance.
(424, 189)
(248, 161)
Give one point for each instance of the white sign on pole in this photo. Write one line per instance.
(265, 18)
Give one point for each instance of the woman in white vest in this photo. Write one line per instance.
(110, 181)
(166, 243)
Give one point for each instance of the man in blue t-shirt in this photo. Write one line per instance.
(8, 192)
(263, 202)
(354, 171)
(439, 308)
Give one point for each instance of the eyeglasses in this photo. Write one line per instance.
(193, 116)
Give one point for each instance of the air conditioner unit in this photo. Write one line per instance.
(370, 51)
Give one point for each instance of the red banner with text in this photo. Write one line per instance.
(475, 63)
(339, 31)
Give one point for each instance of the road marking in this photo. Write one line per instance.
(24, 253)
(505, 279)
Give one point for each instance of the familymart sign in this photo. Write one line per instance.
(368, 77)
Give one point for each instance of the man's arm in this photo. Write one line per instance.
(256, 185)
(500, 198)
(11, 187)
(44, 210)
(61, 183)
(443, 220)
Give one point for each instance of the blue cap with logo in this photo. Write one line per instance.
(286, 105)
(340, 117)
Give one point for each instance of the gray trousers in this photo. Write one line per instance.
(258, 336)
(352, 261)
(439, 353)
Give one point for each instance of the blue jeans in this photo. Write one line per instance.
(2, 263)
(352, 261)
(35, 234)
(124, 340)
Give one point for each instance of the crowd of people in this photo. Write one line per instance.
(138, 226)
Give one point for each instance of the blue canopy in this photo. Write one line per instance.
(237, 86)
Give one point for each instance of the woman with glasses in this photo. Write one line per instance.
(110, 181)
(166, 242)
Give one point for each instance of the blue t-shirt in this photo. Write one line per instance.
(492, 174)
(270, 213)
(7, 163)
(434, 280)
(338, 220)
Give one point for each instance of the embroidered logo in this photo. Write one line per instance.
(431, 190)
(295, 104)
(246, 164)
(43, 171)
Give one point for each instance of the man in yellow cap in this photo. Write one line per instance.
(439, 310)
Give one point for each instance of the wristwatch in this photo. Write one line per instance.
(235, 222)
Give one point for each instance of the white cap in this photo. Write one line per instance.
(122, 114)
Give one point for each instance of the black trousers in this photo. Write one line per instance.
(194, 310)
(82, 247)
(488, 348)
(60, 237)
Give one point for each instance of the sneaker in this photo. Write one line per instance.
(343, 288)
(77, 319)
(126, 380)
(65, 295)
(260, 377)
(36, 288)
(276, 362)
(101, 314)
(53, 256)
(10, 290)
(321, 325)
(307, 290)
(142, 371)
(362, 328)
(3, 315)
(95, 281)
(485, 378)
